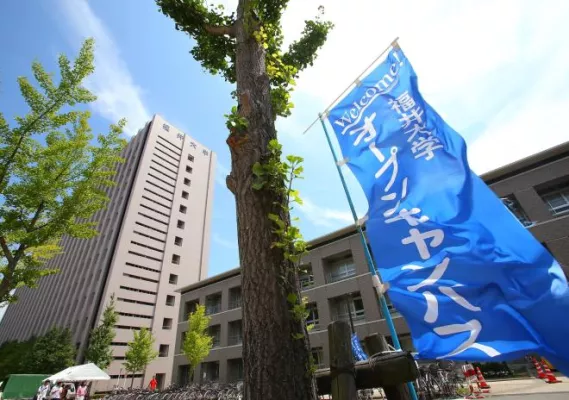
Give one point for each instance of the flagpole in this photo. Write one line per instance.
(371, 265)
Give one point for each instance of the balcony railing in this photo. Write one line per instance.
(306, 281)
(235, 303)
(342, 273)
(213, 309)
(235, 339)
(356, 315)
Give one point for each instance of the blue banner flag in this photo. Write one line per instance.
(470, 280)
(357, 350)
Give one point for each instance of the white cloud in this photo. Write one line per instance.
(117, 94)
(223, 242)
(324, 216)
(493, 70)
(221, 172)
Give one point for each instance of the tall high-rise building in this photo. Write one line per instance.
(154, 238)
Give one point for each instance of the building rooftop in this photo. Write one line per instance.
(525, 164)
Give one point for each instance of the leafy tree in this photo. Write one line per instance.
(11, 355)
(52, 178)
(245, 49)
(197, 343)
(140, 352)
(50, 353)
(100, 351)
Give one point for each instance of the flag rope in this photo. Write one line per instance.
(371, 265)
(392, 45)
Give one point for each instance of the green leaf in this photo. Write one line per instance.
(297, 336)
(258, 185)
(258, 169)
(292, 298)
(310, 327)
(277, 220)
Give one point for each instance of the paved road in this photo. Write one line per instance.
(536, 396)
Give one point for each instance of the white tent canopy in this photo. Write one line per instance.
(85, 372)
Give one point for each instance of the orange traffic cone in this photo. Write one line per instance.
(482, 382)
(540, 373)
(550, 378)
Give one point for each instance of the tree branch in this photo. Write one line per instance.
(6, 250)
(220, 30)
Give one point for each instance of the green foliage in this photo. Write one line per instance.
(52, 178)
(197, 343)
(11, 355)
(140, 351)
(277, 176)
(216, 52)
(235, 122)
(100, 351)
(50, 353)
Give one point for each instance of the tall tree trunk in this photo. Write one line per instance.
(275, 364)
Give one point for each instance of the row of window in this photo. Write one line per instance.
(210, 372)
(336, 270)
(556, 197)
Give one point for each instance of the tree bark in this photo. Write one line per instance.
(275, 364)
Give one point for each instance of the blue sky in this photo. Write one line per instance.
(496, 71)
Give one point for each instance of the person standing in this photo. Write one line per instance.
(81, 391)
(153, 384)
(43, 391)
(56, 391)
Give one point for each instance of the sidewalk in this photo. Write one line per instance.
(528, 386)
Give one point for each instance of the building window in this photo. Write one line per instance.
(317, 354)
(170, 300)
(340, 268)
(189, 169)
(235, 369)
(390, 307)
(175, 259)
(213, 304)
(166, 127)
(514, 206)
(173, 279)
(181, 224)
(178, 241)
(185, 194)
(210, 371)
(183, 209)
(344, 307)
(306, 278)
(235, 336)
(187, 182)
(184, 375)
(235, 297)
(167, 323)
(557, 198)
(163, 350)
(190, 307)
(190, 157)
(215, 332)
(312, 310)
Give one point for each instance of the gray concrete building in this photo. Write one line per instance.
(154, 238)
(338, 284)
